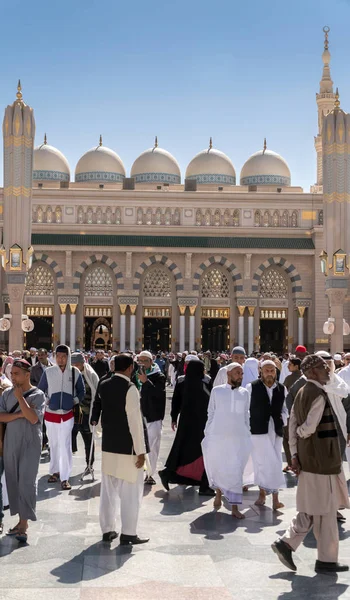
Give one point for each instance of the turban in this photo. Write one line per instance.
(311, 361)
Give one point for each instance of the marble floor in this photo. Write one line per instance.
(194, 553)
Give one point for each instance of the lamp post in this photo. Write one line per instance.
(336, 273)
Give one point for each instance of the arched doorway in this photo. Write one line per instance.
(157, 290)
(215, 311)
(98, 284)
(273, 305)
(39, 301)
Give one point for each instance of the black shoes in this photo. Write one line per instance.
(164, 479)
(284, 553)
(329, 567)
(206, 492)
(150, 481)
(109, 536)
(130, 540)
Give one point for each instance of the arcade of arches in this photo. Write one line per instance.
(161, 315)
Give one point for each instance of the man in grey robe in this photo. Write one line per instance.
(22, 408)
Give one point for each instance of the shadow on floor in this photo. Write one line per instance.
(312, 588)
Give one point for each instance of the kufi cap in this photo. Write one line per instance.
(300, 349)
(325, 355)
(62, 348)
(337, 357)
(190, 357)
(233, 365)
(77, 357)
(238, 350)
(145, 354)
(20, 363)
(311, 361)
(264, 363)
(32, 348)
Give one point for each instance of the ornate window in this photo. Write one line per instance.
(215, 284)
(49, 214)
(90, 215)
(118, 216)
(294, 219)
(217, 218)
(80, 215)
(108, 215)
(207, 217)
(227, 217)
(167, 217)
(176, 216)
(40, 282)
(58, 214)
(285, 218)
(199, 217)
(139, 216)
(158, 216)
(266, 218)
(257, 218)
(99, 215)
(320, 217)
(98, 283)
(40, 214)
(273, 285)
(236, 217)
(34, 216)
(149, 216)
(276, 219)
(157, 284)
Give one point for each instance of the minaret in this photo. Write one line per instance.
(16, 251)
(325, 103)
(336, 198)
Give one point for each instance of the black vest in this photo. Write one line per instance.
(261, 409)
(116, 436)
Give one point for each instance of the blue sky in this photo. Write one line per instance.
(184, 71)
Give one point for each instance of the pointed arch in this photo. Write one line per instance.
(288, 267)
(43, 257)
(163, 260)
(224, 262)
(98, 258)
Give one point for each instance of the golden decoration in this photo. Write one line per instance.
(301, 310)
(19, 91)
(210, 143)
(251, 310)
(241, 310)
(337, 101)
(73, 308)
(326, 31)
(192, 310)
(10, 190)
(133, 308)
(265, 146)
(123, 308)
(182, 309)
(63, 308)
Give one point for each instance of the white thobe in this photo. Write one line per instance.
(284, 371)
(227, 441)
(267, 452)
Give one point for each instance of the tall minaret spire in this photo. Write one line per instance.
(325, 102)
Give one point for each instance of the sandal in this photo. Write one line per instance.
(65, 485)
(14, 531)
(53, 478)
(21, 537)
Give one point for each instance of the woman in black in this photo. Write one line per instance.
(185, 464)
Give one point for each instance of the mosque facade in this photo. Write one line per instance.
(161, 260)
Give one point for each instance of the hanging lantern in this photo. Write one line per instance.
(27, 325)
(346, 328)
(328, 327)
(5, 324)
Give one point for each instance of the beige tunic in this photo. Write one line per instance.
(315, 490)
(122, 466)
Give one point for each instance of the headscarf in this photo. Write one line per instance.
(7, 366)
(250, 371)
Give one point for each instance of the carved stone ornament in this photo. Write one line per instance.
(187, 301)
(128, 300)
(68, 300)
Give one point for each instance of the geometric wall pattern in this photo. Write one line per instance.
(156, 284)
(215, 284)
(273, 284)
(219, 260)
(163, 260)
(278, 261)
(98, 258)
(42, 256)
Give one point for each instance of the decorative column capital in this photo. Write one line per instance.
(182, 309)
(241, 310)
(123, 308)
(251, 310)
(301, 311)
(133, 308)
(63, 308)
(73, 308)
(193, 310)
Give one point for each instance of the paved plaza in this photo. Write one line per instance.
(194, 553)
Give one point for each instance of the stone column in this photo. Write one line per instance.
(16, 294)
(133, 308)
(182, 310)
(63, 308)
(73, 317)
(122, 327)
(241, 310)
(192, 327)
(336, 297)
(301, 311)
(251, 310)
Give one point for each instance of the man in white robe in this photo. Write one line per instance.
(227, 442)
(238, 355)
(268, 415)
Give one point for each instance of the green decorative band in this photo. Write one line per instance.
(103, 176)
(50, 176)
(265, 180)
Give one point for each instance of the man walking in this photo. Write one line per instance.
(238, 355)
(268, 415)
(124, 446)
(40, 366)
(100, 364)
(91, 381)
(21, 408)
(64, 387)
(317, 461)
(151, 383)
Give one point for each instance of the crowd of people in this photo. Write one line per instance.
(231, 416)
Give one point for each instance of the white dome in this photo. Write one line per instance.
(156, 165)
(265, 168)
(211, 166)
(100, 164)
(49, 164)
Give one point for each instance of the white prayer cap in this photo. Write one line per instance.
(326, 355)
(190, 357)
(337, 357)
(267, 362)
(145, 354)
(233, 365)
